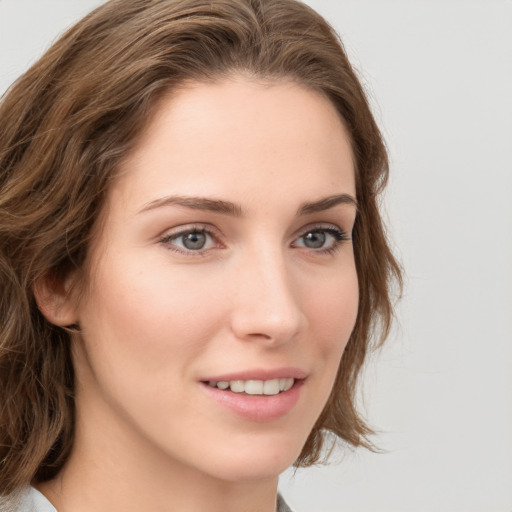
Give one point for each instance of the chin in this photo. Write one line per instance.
(252, 470)
(256, 460)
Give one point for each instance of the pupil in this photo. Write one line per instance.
(194, 240)
(314, 240)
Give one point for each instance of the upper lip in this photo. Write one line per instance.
(288, 372)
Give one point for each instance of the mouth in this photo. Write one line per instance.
(267, 398)
(254, 387)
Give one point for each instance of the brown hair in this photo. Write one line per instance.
(65, 126)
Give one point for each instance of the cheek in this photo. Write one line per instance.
(333, 314)
(148, 322)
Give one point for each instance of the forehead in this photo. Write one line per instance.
(237, 136)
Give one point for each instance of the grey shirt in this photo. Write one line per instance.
(33, 501)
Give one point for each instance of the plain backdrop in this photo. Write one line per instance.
(440, 78)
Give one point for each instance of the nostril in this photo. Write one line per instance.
(260, 335)
(267, 311)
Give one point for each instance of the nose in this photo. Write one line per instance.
(266, 299)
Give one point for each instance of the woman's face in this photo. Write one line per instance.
(223, 275)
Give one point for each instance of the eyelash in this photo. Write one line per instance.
(168, 239)
(338, 235)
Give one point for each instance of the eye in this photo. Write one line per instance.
(321, 239)
(191, 240)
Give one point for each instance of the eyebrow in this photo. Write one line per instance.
(196, 203)
(326, 203)
(235, 210)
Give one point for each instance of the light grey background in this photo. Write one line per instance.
(440, 78)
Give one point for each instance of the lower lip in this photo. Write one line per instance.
(257, 407)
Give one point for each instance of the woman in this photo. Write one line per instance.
(193, 265)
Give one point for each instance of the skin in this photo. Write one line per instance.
(157, 318)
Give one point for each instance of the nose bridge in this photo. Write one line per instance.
(266, 302)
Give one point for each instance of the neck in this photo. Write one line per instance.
(112, 469)
(69, 492)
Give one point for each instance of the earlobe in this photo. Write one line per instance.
(54, 300)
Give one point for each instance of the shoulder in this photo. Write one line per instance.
(29, 500)
(281, 505)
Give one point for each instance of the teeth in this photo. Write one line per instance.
(271, 387)
(288, 383)
(255, 387)
(237, 386)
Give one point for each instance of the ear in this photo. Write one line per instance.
(55, 300)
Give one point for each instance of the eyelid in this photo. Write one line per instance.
(339, 236)
(187, 228)
(171, 234)
(323, 226)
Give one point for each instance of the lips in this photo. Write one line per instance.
(254, 387)
(287, 372)
(257, 395)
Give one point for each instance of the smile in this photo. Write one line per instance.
(254, 399)
(254, 387)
